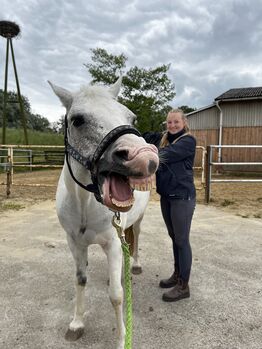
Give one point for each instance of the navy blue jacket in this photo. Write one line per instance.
(174, 177)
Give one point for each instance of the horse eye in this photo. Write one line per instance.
(78, 120)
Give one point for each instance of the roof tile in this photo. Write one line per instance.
(239, 93)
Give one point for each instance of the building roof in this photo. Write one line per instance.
(233, 94)
(241, 93)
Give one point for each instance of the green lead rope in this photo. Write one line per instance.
(128, 296)
(116, 222)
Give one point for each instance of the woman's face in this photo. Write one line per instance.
(174, 122)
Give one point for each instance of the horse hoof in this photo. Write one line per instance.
(136, 270)
(73, 336)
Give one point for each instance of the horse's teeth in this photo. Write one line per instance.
(145, 184)
(123, 204)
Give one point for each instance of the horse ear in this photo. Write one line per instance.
(115, 88)
(64, 95)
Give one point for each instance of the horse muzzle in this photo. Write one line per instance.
(129, 172)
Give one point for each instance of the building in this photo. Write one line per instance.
(234, 118)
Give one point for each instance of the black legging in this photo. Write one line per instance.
(178, 215)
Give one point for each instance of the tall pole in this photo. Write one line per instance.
(23, 118)
(9, 30)
(5, 93)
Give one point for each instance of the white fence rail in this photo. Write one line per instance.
(210, 162)
(10, 163)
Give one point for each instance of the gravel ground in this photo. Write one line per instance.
(37, 292)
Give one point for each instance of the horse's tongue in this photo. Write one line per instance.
(117, 194)
(119, 189)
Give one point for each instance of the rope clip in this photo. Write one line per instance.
(116, 222)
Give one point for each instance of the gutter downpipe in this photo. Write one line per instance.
(220, 131)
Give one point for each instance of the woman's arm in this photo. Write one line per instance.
(184, 148)
(152, 137)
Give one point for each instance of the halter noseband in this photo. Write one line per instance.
(89, 163)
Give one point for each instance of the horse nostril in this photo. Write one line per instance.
(152, 166)
(121, 155)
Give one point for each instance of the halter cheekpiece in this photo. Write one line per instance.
(90, 162)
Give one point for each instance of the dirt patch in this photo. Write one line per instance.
(243, 199)
(22, 193)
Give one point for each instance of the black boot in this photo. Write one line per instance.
(180, 291)
(171, 282)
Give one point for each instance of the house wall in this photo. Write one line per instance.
(235, 114)
(242, 124)
(240, 114)
(207, 119)
(204, 138)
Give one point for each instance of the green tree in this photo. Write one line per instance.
(106, 67)
(59, 126)
(38, 123)
(13, 114)
(186, 109)
(146, 92)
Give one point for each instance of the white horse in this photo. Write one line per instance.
(106, 159)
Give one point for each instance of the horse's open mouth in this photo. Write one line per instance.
(118, 190)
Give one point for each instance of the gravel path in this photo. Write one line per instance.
(37, 292)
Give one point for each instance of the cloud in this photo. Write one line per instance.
(212, 46)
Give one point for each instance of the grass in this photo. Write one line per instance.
(10, 206)
(227, 202)
(16, 136)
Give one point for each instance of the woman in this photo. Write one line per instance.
(175, 185)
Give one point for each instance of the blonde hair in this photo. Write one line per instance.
(164, 142)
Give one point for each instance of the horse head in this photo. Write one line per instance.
(118, 159)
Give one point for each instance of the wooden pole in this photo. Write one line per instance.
(23, 117)
(5, 93)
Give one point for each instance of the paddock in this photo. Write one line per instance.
(37, 285)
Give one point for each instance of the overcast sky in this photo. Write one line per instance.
(212, 45)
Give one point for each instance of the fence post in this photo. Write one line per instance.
(208, 174)
(204, 152)
(9, 169)
(31, 159)
(11, 163)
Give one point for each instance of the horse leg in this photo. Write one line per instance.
(76, 327)
(136, 266)
(114, 257)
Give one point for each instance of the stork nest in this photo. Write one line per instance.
(9, 29)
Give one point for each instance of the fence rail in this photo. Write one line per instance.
(210, 163)
(52, 157)
(10, 164)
